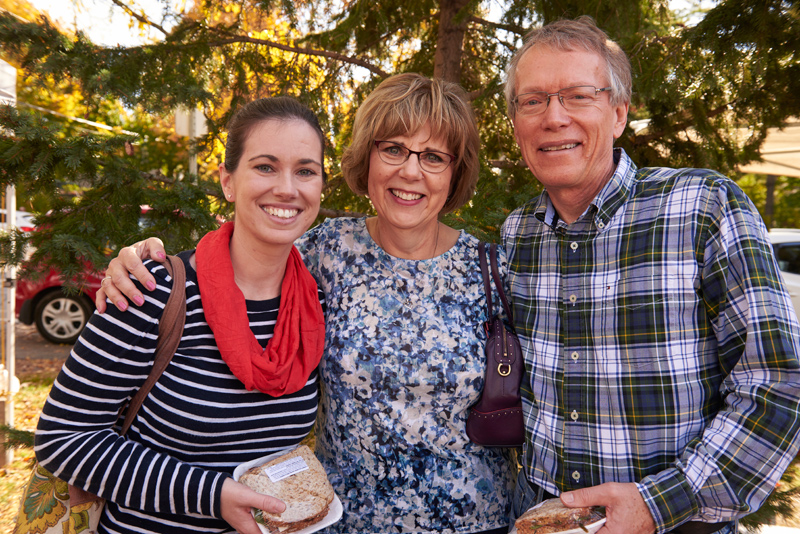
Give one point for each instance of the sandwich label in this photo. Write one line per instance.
(285, 469)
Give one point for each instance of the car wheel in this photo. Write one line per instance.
(60, 318)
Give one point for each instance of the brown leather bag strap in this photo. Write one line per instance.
(170, 331)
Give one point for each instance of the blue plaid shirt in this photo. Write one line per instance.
(660, 343)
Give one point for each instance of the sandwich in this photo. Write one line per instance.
(298, 479)
(552, 516)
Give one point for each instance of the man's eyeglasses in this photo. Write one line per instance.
(572, 98)
(429, 160)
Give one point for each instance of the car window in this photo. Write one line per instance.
(788, 257)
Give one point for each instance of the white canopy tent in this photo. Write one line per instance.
(780, 155)
(780, 152)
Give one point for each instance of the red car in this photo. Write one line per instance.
(59, 316)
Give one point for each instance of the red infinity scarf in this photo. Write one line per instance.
(299, 337)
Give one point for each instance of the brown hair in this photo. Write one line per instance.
(568, 35)
(401, 105)
(282, 108)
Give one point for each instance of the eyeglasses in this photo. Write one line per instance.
(429, 160)
(572, 98)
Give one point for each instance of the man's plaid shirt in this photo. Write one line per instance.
(660, 343)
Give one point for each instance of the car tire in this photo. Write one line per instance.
(60, 317)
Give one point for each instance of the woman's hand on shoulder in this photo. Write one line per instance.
(117, 285)
(236, 502)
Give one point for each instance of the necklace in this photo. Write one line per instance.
(412, 280)
(435, 242)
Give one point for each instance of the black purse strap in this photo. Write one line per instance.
(487, 285)
(498, 283)
(170, 331)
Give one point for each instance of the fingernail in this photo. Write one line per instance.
(161, 255)
(122, 305)
(568, 498)
(138, 300)
(150, 285)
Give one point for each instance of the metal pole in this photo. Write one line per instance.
(9, 384)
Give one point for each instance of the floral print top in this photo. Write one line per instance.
(403, 363)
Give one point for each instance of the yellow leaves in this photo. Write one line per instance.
(22, 8)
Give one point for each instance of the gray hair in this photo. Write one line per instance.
(569, 35)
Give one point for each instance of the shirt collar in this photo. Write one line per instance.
(607, 201)
(617, 190)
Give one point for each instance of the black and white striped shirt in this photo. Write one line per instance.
(196, 425)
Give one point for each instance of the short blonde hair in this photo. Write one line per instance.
(402, 105)
(567, 35)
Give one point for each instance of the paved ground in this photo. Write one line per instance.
(31, 345)
(34, 355)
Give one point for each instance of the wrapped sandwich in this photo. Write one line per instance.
(552, 516)
(298, 479)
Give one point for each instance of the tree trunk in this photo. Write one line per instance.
(449, 45)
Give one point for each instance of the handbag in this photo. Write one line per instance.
(496, 419)
(50, 505)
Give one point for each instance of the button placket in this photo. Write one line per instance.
(574, 335)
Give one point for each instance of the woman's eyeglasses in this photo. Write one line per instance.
(429, 160)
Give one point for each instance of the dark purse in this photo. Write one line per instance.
(496, 419)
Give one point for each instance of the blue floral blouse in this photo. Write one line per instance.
(403, 362)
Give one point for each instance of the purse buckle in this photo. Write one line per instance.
(504, 369)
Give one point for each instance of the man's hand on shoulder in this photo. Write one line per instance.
(626, 511)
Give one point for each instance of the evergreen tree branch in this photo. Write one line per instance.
(15, 438)
(140, 18)
(688, 123)
(305, 51)
(512, 28)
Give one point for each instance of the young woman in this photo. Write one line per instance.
(243, 381)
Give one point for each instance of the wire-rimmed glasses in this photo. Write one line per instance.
(572, 98)
(430, 160)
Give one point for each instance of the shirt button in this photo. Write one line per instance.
(576, 476)
(573, 246)
(574, 415)
(575, 356)
(601, 225)
(573, 299)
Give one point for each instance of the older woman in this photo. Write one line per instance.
(232, 393)
(405, 304)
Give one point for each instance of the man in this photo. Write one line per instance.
(662, 377)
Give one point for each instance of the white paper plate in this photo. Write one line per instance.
(334, 509)
(591, 528)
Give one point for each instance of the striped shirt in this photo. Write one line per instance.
(660, 344)
(196, 425)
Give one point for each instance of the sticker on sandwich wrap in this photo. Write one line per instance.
(285, 469)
